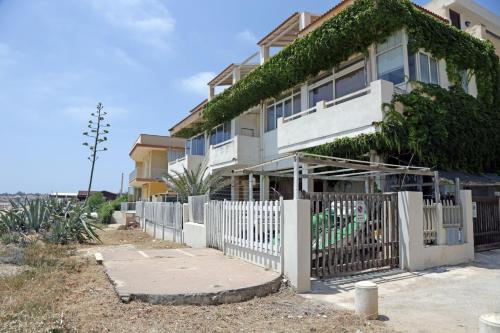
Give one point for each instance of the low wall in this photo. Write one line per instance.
(195, 235)
(414, 255)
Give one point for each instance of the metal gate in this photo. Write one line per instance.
(353, 233)
(486, 223)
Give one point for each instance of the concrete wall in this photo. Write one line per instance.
(195, 235)
(413, 254)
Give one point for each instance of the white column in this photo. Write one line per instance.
(297, 244)
(236, 74)
(305, 20)
(411, 230)
(296, 179)
(307, 183)
(211, 92)
(264, 54)
(468, 227)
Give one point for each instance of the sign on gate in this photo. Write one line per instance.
(474, 210)
(360, 211)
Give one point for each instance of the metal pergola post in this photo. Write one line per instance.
(296, 178)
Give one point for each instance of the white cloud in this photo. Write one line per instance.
(197, 83)
(149, 20)
(247, 36)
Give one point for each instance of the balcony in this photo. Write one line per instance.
(188, 162)
(347, 116)
(240, 150)
(142, 175)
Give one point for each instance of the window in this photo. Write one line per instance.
(390, 61)
(221, 133)
(423, 67)
(323, 92)
(196, 145)
(286, 107)
(455, 19)
(174, 155)
(465, 80)
(350, 82)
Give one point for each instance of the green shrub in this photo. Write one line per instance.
(117, 202)
(96, 200)
(106, 212)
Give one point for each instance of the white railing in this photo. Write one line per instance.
(250, 230)
(325, 104)
(430, 222)
(147, 173)
(162, 220)
(240, 149)
(127, 206)
(452, 215)
(300, 114)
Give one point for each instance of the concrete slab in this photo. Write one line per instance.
(444, 299)
(185, 276)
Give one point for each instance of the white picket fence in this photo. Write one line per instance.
(452, 215)
(162, 220)
(250, 230)
(430, 222)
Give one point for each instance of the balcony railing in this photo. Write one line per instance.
(349, 115)
(239, 150)
(141, 173)
(188, 162)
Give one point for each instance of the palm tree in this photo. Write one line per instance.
(194, 182)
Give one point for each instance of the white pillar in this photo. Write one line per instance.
(296, 179)
(411, 230)
(236, 74)
(468, 226)
(264, 54)
(297, 244)
(211, 92)
(307, 183)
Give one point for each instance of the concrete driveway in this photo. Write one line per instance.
(444, 299)
(185, 276)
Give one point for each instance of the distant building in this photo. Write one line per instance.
(82, 195)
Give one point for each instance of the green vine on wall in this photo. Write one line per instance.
(442, 128)
(451, 130)
(352, 31)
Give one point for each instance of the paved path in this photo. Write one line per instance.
(185, 276)
(445, 299)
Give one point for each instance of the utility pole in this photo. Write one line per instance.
(121, 185)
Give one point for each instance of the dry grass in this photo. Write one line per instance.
(136, 237)
(64, 292)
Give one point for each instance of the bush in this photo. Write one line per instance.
(96, 200)
(117, 202)
(106, 212)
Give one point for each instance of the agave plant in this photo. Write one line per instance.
(194, 182)
(55, 221)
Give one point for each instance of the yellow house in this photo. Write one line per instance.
(151, 154)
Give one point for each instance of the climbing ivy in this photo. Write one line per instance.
(352, 31)
(449, 130)
(442, 128)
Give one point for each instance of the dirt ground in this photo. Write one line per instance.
(65, 292)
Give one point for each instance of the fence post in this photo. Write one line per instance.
(467, 221)
(411, 236)
(441, 231)
(297, 244)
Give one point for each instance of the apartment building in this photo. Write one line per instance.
(151, 154)
(344, 101)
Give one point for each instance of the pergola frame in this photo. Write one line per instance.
(305, 165)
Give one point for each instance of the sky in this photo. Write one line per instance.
(147, 61)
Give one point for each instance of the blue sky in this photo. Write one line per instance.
(147, 61)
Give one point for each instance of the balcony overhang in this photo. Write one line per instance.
(138, 182)
(139, 151)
